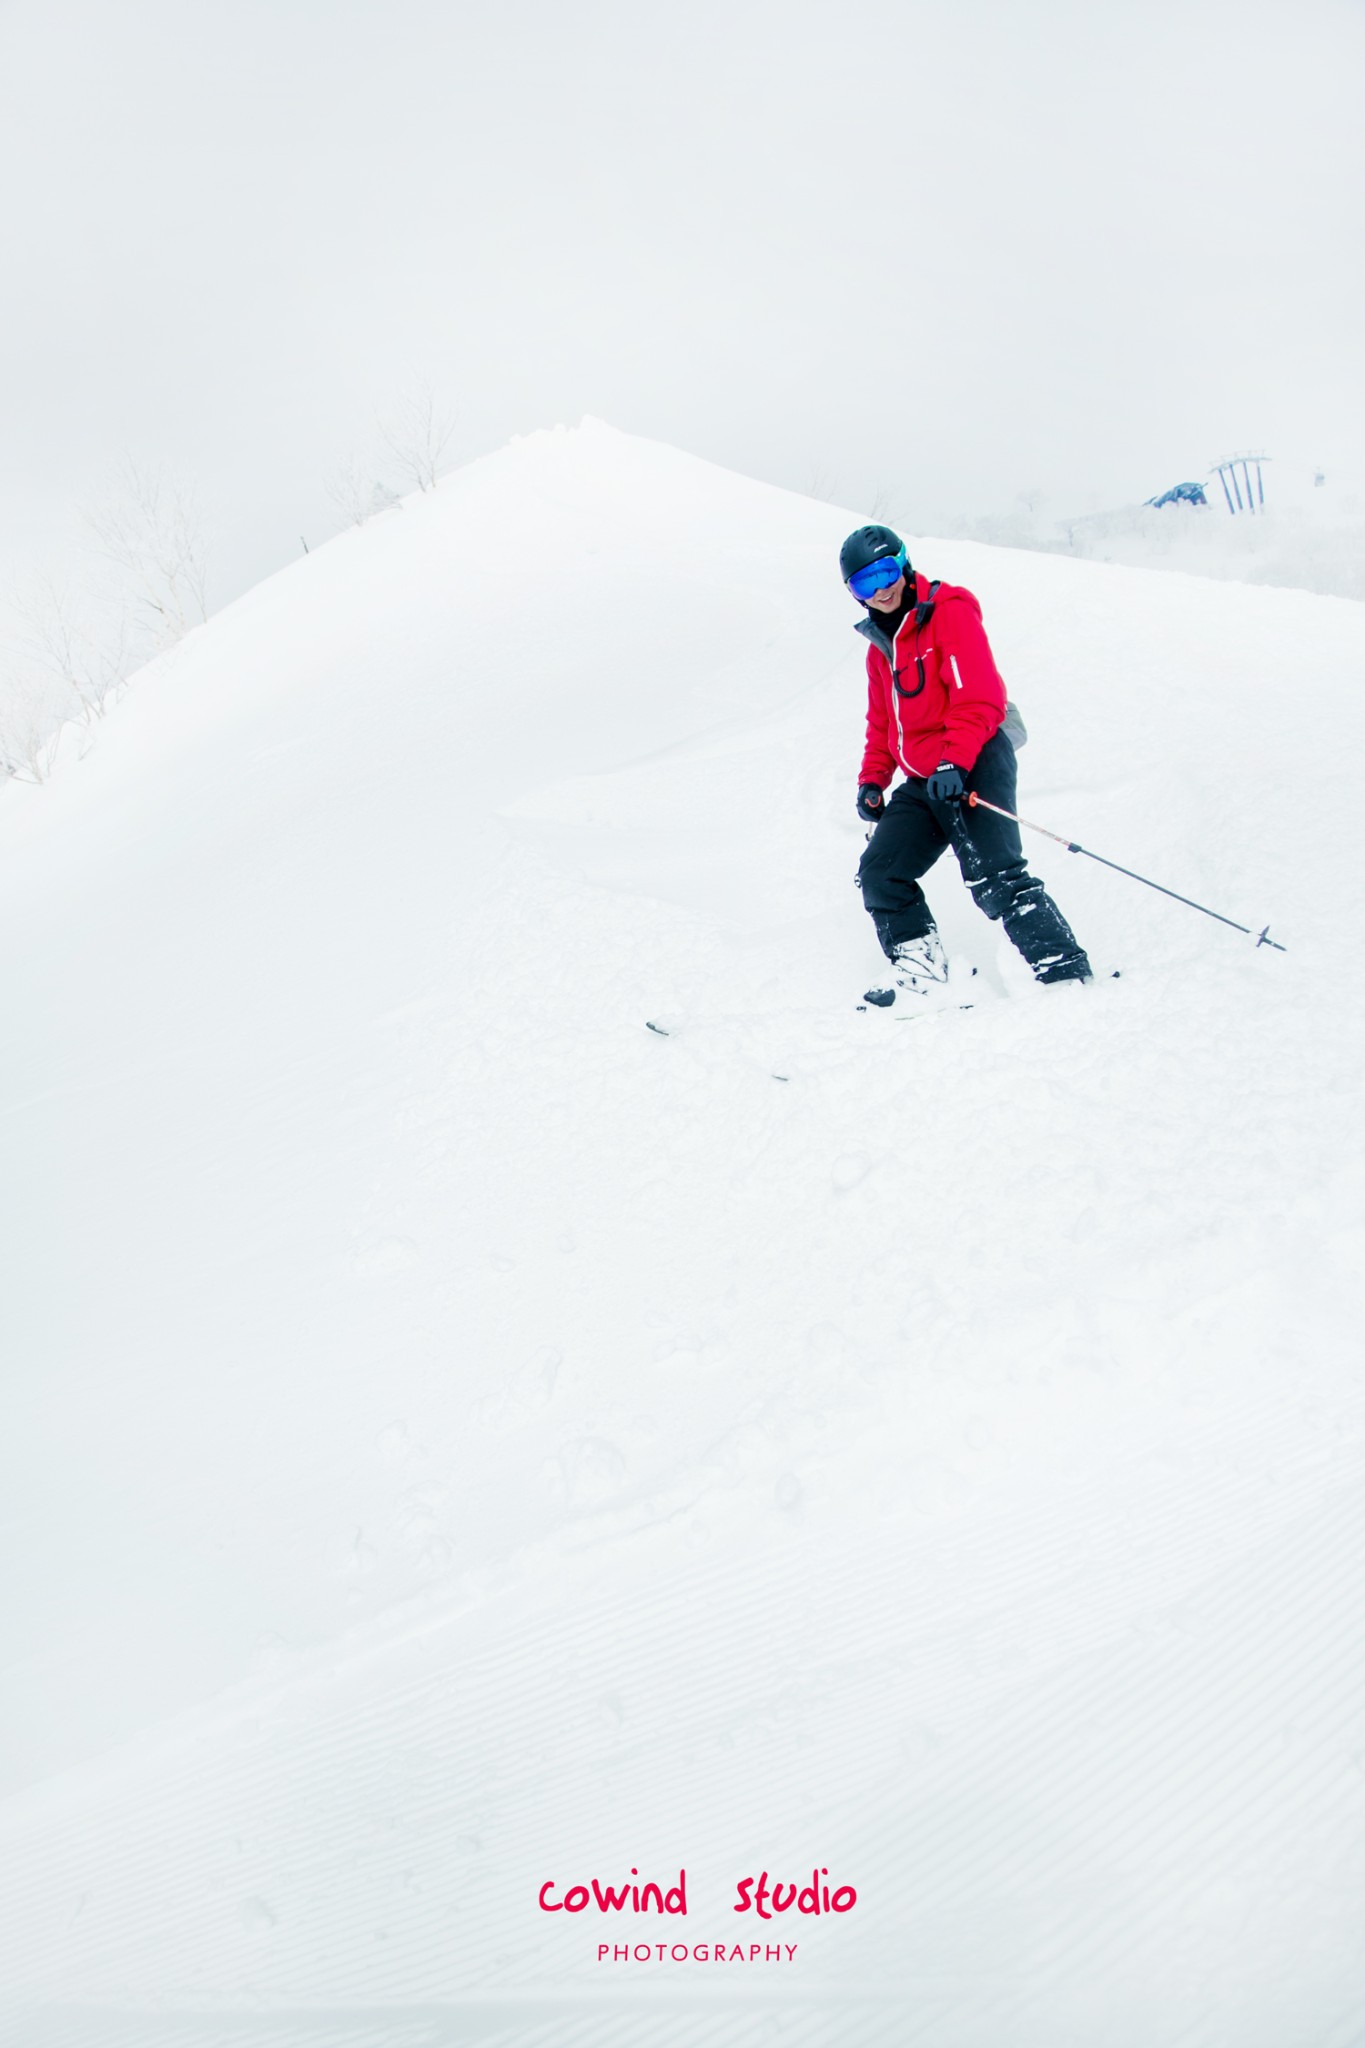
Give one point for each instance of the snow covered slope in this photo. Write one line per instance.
(458, 1439)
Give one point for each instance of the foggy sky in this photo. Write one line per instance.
(940, 252)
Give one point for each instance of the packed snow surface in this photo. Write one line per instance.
(458, 1439)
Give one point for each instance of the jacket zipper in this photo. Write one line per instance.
(895, 693)
(896, 708)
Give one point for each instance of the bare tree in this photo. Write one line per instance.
(152, 533)
(71, 651)
(820, 481)
(33, 710)
(357, 493)
(66, 641)
(418, 434)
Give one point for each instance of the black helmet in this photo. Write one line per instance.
(868, 544)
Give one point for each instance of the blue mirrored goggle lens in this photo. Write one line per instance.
(878, 575)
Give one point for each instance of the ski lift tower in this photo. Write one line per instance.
(1241, 493)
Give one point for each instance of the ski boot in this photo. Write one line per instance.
(919, 975)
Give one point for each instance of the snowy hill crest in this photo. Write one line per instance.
(459, 1436)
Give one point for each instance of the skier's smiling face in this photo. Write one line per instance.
(887, 600)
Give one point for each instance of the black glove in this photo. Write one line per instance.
(871, 802)
(947, 784)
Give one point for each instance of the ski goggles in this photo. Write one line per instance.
(879, 575)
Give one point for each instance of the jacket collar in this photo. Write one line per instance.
(871, 627)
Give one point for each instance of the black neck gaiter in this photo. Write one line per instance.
(891, 622)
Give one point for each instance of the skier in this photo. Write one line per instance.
(937, 710)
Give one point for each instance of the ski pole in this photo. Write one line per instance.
(1262, 938)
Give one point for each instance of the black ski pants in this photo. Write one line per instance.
(913, 833)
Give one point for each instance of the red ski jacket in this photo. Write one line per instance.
(937, 696)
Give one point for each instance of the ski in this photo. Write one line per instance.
(850, 1039)
(883, 999)
(681, 1031)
